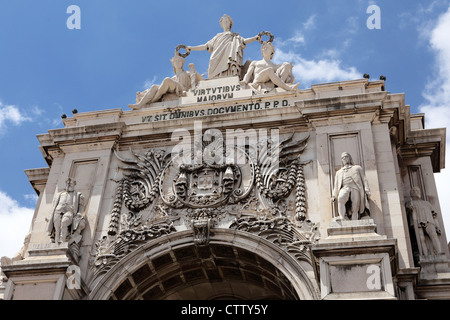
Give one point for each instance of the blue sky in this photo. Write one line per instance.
(123, 47)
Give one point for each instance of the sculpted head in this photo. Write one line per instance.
(267, 50)
(415, 193)
(70, 184)
(226, 22)
(346, 158)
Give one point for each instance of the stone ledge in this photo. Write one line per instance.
(44, 256)
(26, 267)
(352, 230)
(434, 267)
(46, 249)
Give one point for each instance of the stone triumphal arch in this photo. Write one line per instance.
(238, 186)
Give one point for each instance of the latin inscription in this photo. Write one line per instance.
(216, 93)
(179, 114)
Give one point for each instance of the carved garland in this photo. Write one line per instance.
(279, 231)
(117, 208)
(109, 252)
(300, 195)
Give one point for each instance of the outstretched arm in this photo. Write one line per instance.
(196, 48)
(250, 40)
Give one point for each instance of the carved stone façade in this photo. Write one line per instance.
(164, 218)
(249, 195)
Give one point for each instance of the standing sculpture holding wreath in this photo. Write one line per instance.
(227, 50)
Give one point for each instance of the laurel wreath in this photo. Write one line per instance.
(182, 46)
(265, 33)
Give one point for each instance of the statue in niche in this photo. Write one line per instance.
(423, 218)
(66, 219)
(227, 50)
(178, 84)
(264, 74)
(351, 190)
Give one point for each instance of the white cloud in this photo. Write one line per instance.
(437, 104)
(430, 7)
(422, 17)
(310, 23)
(316, 71)
(297, 39)
(299, 35)
(10, 114)
(15, 222)
(37, 111)
(325, 67)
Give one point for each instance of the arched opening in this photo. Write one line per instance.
(235, 265)
(206, 272)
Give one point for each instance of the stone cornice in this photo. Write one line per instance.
(90, 137)
(87, 133)
(426, 143)
(325, 111)
(38, 178)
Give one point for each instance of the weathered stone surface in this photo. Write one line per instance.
(171, 213)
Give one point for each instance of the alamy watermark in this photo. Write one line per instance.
(74, 20)
(73, 274)
(238, 146)
(374, 280)
(374, 20)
